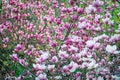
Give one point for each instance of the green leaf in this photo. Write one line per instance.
(5, 63)
(22, 1)
(19, 69)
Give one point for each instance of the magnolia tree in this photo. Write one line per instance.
(60, 39)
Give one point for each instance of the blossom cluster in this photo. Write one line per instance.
(75, 39)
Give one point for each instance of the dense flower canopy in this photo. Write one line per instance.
(60, 39)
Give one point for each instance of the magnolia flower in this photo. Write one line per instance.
(92, 64)
(72, 48)
(19, 47)
(39, 67)
(73, 66)
(90, 43)
(63, 54)
(64, 46)
(108, 14)
(114, 38)
(100, 78)
(5, 40)
(115, 77)
(68, 42)
(97, 45)
(20, 32)
(40, 60)
(58, 77)
(118, 30)
(41, 77)
(75, 38)
(97, 29)
(30, 46)
(90, 9)
(112, 49)
(89, 77)
(54, 59)
(51, 67)
(82, 25)
(97, 38)
(97, 3)
(97, 17)
(83, 52)
(45, 55)
(118, 14)
(78, 75)
(65, 69)
(80, 10)
(104, 36)
(14, 57)
(106, 20)
(111, 22)
(84, 65)
(22, 62)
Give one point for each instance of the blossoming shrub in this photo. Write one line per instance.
(60, 39)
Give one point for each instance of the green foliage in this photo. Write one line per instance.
(19, 69)
(5, 61)
(22, 1)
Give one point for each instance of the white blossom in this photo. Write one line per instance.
(105, 20)
(73, 48)
(90, 43)
(39, 66)
(74, 66)
(63, 54)
(114, 37)
(51, 67)
(45, 55)
(112, 49)
(54, 59)
(100, 78)
(82, 25)
(92, 64)
(90, 9)
(41, 77)
(58, 77)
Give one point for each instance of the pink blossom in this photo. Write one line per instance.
(14, 57)
(63, 54)
(5, 40)
(51, 68)
(65, 69)
(98, 3)
(41, 77)
(23, 62)
(72, 68)
(54, 59)
(90, 9)
(80, 10)
(90, 44)
(112, 49)
(41, 67)
(19, 47)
